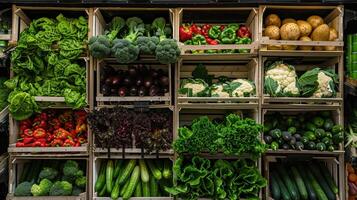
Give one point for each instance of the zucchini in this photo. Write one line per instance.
(285, 195)
(103, 191)
(127, 171)
(137, 192)
(144, 173)
(154, 170)
(167, 171)
(101, 178)
(288, 182)
(328, 178)
(159, 164)
(134, 179)
(124, 188)
(117, 166)
(300, 183)
(325, 187)
(109, 175)
(310, 191)
(315, 185)
(153, 188)
(146, 189)
(274, 188)
(115, 192)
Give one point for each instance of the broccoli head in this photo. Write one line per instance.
(125, 51)
(23, 189)
(158, 25)
(147, 45)
(61, 188)
(48, 173)
(115, 26)
(167, 51)
(81, 182)
(71, 171)
(99, 46)
(42, 189)
(71, 163)
(136, 28)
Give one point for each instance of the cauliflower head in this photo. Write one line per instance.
(219, 90)
(324, 88)
(194, 88)
(243, 88)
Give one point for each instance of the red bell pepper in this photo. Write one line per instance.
(82, 140)
(27, 140)
(39, 133)
(20, 144)
(69, 142)
(44, 116)
(56, 143)
(68, 125)
(205, 29)
(185, 32)
(23, 127)
(211, 41)
(50, 137)
(27, 123)
(243, 32)
(222, 27)
(37, 144)
(39, 124)
(28, 132)
(81, 128)
(196, 30)
(61, 134)
(80, 113)
(55, 123)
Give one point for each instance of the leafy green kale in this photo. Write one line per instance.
(22, 105)
(48, 173)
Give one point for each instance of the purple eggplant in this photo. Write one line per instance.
(122, 91)
(105, 90)
(116, 81)
(142, 91)
(133, 91)
(154, 73)
(164, 80)
(148, 82)
(108, 81)
(139, 81)
(127, 81)
(132, 71)
(154, 91)
(113, 91)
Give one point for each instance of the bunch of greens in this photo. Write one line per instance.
(126, 39)
(235, 136)
(44, 63)
(4, 92)
(201, 178)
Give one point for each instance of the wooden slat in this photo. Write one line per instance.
(4, 113)
(19, 12)
(299, 53)
(5, 36)
(301, 43)
(13, 149)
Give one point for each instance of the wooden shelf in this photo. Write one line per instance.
(119, 99)
(48, 151)
(299, 53)
(81, 197)
(5, 37)
(304, 152)
(4, 113)
(130, 153)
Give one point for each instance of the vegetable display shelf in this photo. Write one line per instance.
(4, 113)
(334, 165)
(4, 159)
(17, 169)
(298, 136)
(5, 36)
(269, 40)
(223, 16)
(145, 80)
(302, 64)
(221, 73)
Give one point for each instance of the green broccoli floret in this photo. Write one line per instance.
(115, 26)
(167, 51)
(124, 51)
(136, 28)
(42, 189)
(71, 171)
(81, 182)
(99, 46)
(61, 188)
(76, 191)
(147, 45)
(48, 173)
(23, 189)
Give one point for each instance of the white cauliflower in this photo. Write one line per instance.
(280, 80)
(246, 88)
(194, 88)
(219, 91)
(324, 89)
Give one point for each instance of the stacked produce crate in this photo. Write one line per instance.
(49, 140)
(301, 62)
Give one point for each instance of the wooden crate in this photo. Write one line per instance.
(245, 15)
(6, 11)
(102, 100)
(338, 118)
(246, 69)
(332, 15)
(334, 164)
(301, 65)
(16, 164)
(96, 168)
(42, 151)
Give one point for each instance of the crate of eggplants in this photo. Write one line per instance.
(138, 80)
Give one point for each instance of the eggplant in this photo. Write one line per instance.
(142, 91)
(108, 81)
(154, 73)
(160, 72)
(153, 91)
(127, 81)
(122, 91)
(115, 81)
(139, 81)
(142, 69)
(106, 90)
(113, 91)
(164, 80)
(133, 91)
(165, 90)
(148, 82)
(132, 71)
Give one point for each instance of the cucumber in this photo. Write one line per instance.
(285, 195)
(25, 172)
(35, 171)
(134, 179)
(117, 166)
(300, 183)
(115, 192)
(154, 170)
(137, 192)
(101, 177)
(315, 185)
(144, 173)
(109, 175)
(288, 182)
(325, 187)
(103, 191)
(127, 171)
(146, 189)
(153, 188)
(159, 164)
(167, 171)
(124, 188)
(274, 188)
(328, 178)
(310, 191)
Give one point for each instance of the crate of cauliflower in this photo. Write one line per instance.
(282, 80)
(203, 85)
